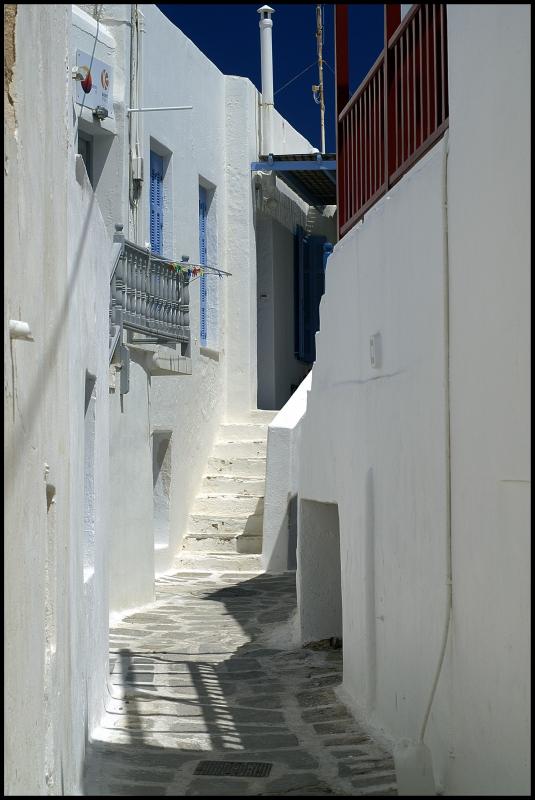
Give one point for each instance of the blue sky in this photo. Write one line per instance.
(230, 37)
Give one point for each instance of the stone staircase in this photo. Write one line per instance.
(225, 525)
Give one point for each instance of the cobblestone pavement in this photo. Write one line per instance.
(209, 673)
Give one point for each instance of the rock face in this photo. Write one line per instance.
(225, 526)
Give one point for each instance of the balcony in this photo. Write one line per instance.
(399, 110)
(149, 295)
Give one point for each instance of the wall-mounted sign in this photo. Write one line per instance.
(96, 87)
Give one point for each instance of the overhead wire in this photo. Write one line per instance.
(314, 63)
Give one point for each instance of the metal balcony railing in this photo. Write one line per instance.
(147, 295)
(399, 110)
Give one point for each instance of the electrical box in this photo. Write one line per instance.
(137, 168)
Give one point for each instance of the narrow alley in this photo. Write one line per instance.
(267, 404)
(208, 695)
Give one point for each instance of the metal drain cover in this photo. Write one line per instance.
(238, 769)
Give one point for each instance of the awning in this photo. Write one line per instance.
(312, 175)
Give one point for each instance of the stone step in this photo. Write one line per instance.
(237, 467)
(232, 484)
(235, 431)
(211, 523)
(218, 562)
(239, 449)
(222, 543)
(255, 415)
(228, 504)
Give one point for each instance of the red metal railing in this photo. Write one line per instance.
(398, 112)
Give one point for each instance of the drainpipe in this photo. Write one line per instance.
(135, 124)
(266, 54)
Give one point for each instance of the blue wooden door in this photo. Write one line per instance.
(203, 210)
(156, 203)
(309, 285)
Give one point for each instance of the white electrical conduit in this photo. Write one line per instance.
(414, 768)
(448, 439)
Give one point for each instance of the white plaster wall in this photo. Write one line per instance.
(131, 493)
(190, 406)
(490, 277)
(375, 441)
(109, 152)
(241, 100)
(212, 144)
(319, 572)
(87, 299)
(282, 482)
(56, 279)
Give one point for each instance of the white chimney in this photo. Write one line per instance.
(266, 54)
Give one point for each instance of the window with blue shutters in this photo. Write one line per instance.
(156, 203)
(309, 285)
(203, 211)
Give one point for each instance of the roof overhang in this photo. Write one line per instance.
(312, 176)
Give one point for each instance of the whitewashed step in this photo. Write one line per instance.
(218, 562)
(228, 504)
(232, 484)
(236, 431)
(222, 543)
(255, 415)
(238, 467)
(206, 523)
(239, 449)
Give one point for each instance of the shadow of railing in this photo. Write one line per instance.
(210, 699)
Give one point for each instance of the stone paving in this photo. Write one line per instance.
(209, 672)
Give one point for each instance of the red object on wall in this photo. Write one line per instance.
(87, 83)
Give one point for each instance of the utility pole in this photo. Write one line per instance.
(319, 88)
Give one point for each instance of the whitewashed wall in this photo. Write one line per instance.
(212, 144)
(490, 277)
(279, 535)
(57, 280)
(374, 441)
(110, 164)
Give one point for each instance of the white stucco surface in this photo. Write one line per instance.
(319, 593)
(79, 487)
(211, 145)
(376, 440)
(373, 441)
(57, 280)
(490, 281)
(282, 483)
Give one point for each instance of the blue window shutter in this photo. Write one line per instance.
(298, 268)
(203, 208)
(317, 287)
(156, 203)
(309, 285)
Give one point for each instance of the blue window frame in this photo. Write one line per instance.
(156, 203)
